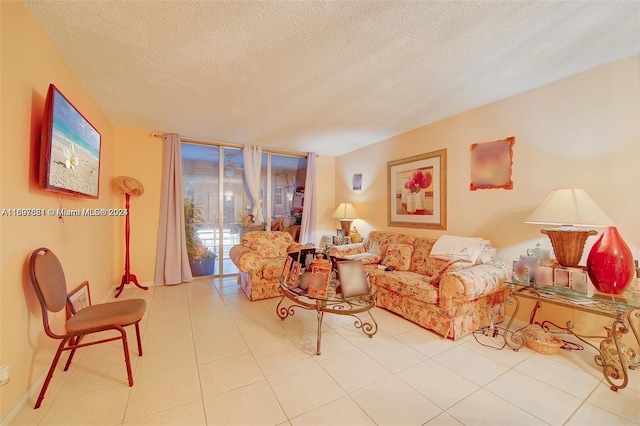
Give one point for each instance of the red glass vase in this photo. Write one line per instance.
(610, 263)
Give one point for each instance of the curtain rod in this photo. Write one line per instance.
(233, 145)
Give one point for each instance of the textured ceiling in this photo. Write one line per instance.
(323, 76)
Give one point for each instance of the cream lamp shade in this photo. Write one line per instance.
(568, 208)
(346, 213)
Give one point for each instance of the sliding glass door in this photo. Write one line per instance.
(214, 185)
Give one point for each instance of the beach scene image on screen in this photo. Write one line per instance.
(75, 150)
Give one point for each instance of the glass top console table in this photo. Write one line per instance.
(333, 303)
(612, 355)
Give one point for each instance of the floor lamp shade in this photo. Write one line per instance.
(568, 208)
(346, 213)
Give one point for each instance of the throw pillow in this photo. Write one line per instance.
(398, 256)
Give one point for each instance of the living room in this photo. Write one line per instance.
(581, 131)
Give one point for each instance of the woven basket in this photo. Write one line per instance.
(568, 244)
(542, 341)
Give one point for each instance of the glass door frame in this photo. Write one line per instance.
(266, 191)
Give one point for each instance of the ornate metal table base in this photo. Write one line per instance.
(351, 307)
(612, 356)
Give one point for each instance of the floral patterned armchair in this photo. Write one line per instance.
(260, 258)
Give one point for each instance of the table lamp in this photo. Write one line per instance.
(346, 213)
(568, 208)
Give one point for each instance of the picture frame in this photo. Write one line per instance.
(357, 182)
(319, 282)
(521, 272)
(544, 276)
(80, 298)
(284, 276)
(579, 281)
(302, 254)
(340, 232)
(561, 278)
(492, 164)
(417, 191)
(532, 265)
(294, 275)
(353, 279)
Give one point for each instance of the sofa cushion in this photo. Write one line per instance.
(409, 284)
(421, 263)
(366, 258)
(398, 256)
(378, 241)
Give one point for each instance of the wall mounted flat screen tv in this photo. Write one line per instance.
(69, 149)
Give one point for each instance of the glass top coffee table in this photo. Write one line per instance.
(613, 356)
(333, 303)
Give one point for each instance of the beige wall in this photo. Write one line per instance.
(580, 132)
(139, 155)
(84, 245)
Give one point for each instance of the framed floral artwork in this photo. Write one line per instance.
(417, 191)
(491, 164)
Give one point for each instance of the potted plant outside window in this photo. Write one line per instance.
(201, 260)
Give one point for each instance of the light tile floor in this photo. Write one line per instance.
(212, 357)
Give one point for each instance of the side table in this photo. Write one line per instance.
(621, 308)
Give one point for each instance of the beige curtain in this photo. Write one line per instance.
(252, 166)
(308, 225)
(172, 263)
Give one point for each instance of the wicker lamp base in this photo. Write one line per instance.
(345, 224)
(568, 243)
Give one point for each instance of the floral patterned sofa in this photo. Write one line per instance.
(451, 297)
(260, 258)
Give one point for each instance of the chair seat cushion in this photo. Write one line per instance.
(103, 315)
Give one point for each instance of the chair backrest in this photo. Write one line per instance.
(47, 277)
